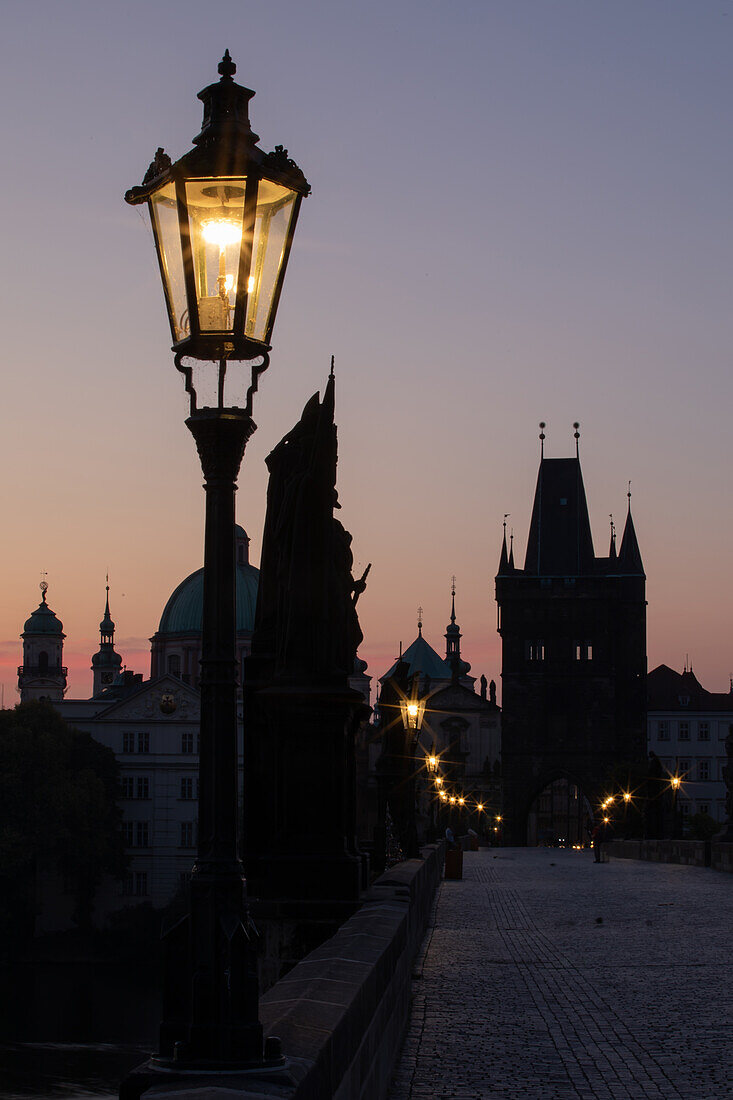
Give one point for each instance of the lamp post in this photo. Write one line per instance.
(223, 219)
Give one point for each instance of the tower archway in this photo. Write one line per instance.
(558, 815)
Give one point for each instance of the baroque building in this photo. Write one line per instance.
(573, 630)
(687, 727)
(461, 728)
(152, 726)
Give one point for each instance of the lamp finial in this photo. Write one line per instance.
(227, 68)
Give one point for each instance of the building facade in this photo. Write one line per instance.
(687, 727)
(573, 630)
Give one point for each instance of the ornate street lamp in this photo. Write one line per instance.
(413, 711)
(223, 219)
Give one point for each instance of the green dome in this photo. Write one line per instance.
(183, 614)
(44, 621)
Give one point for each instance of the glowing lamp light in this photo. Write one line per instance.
(452, 798)
(223, 218)
(480, 806)
(443, 796)
(461, 801)
(606, 820)
(498, 817)
(438, 781)
(676, 782)
(432, 763)
(412, 714)
(627, 796)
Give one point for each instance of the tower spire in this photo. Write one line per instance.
(504, 558)
(542, 438)
(419, 621)
(576, 426)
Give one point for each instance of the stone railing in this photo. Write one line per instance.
(341, 1013)
(694, 853)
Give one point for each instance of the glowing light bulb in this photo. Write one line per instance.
(412, 710)
(438, 782)
(250, 284)
(627, 796)
(433, 761)
(221, 232)
(461, 801)
(480, 806)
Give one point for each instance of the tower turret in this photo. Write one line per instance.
(42, 675)
(106, 664)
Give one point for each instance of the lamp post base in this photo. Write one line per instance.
(160, 1071)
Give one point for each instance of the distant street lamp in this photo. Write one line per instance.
(223, 219)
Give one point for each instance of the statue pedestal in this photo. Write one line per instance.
(299, 848)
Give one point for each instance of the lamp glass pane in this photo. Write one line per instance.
(165, 216)
(275, 205)
(215, 213)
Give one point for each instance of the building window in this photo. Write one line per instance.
(128, 785)
(187, 787)
(143, 787)
(703, 731)
(187, 742)
(127, 833)
(583, 651)
(535, 650)
(684, 700)
(141, 884)
(685, 807)
(128, 742)
(127, 886)
(174, 665)
(703, 769)
(703, 807)
(143, 742)
(141, 834)
(684, 731)
(187, 834)
(684, 767)
(663, 731)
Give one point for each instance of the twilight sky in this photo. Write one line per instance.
(521, 211)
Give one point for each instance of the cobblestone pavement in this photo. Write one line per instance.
(548, 977)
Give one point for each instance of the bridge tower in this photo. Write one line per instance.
(573, 630)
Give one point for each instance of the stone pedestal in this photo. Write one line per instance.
(298, 801)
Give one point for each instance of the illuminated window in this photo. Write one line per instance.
(534, 650)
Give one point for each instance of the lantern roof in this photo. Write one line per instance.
(225, 146)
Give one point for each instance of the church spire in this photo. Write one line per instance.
(453, 631)
(612, 549)
(106, 664)
(511, 551)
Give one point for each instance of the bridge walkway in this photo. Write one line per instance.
(545, 976)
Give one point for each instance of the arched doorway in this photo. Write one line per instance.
(558, 815)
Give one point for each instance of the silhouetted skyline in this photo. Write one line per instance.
(520, 212)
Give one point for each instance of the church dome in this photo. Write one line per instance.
(183, 614)
(44, 621)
